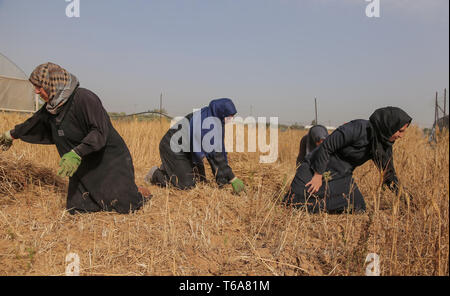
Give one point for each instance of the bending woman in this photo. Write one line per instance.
(315, 136)
(184, 167)
(348, 147)
(93, 155)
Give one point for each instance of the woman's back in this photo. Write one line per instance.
(345, 149)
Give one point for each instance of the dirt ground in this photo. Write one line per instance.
(211, 231)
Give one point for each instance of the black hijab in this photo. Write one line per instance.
(315, 134)
(384, 123)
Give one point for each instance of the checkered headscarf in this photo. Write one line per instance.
(57, 83)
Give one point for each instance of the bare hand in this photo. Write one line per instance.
(315, 183)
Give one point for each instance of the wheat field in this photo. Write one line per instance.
(210, 231)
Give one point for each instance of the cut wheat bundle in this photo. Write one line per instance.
(16, 174)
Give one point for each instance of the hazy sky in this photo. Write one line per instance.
(270, 56)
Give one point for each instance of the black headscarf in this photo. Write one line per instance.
(315, 134)
(384, 123)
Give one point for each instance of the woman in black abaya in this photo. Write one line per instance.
(315, 136)
(348, 147)
(93, 154)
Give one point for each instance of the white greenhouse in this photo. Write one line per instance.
(16, 91)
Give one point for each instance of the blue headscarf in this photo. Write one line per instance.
(220, 109)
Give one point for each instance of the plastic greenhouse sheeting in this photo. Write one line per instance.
(16, 92)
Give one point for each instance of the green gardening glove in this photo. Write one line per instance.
(237, 185)
(69, 164)
(6, 140)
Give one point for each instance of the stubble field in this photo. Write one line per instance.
(210, 231)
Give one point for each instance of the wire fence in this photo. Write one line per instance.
(140, 114)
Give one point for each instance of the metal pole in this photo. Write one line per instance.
(160, 108)
(315, 103)
(445, 101)
(436, 111)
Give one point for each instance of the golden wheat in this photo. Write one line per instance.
(210, 231)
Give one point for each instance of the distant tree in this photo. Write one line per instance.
(297, 126)
(162, 111)
(117, 114)
(282, 127)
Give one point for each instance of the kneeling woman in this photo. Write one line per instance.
(93, 155)
(348, 147)
(315, 136)
(182, 168)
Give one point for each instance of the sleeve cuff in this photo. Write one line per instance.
(319, 171)
(13, 135)
(77, 151)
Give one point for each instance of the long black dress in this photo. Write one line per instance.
(345, 149)
(179, 169)
(104, 180)
(302, 151)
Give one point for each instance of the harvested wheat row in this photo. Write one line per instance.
(16, 174)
